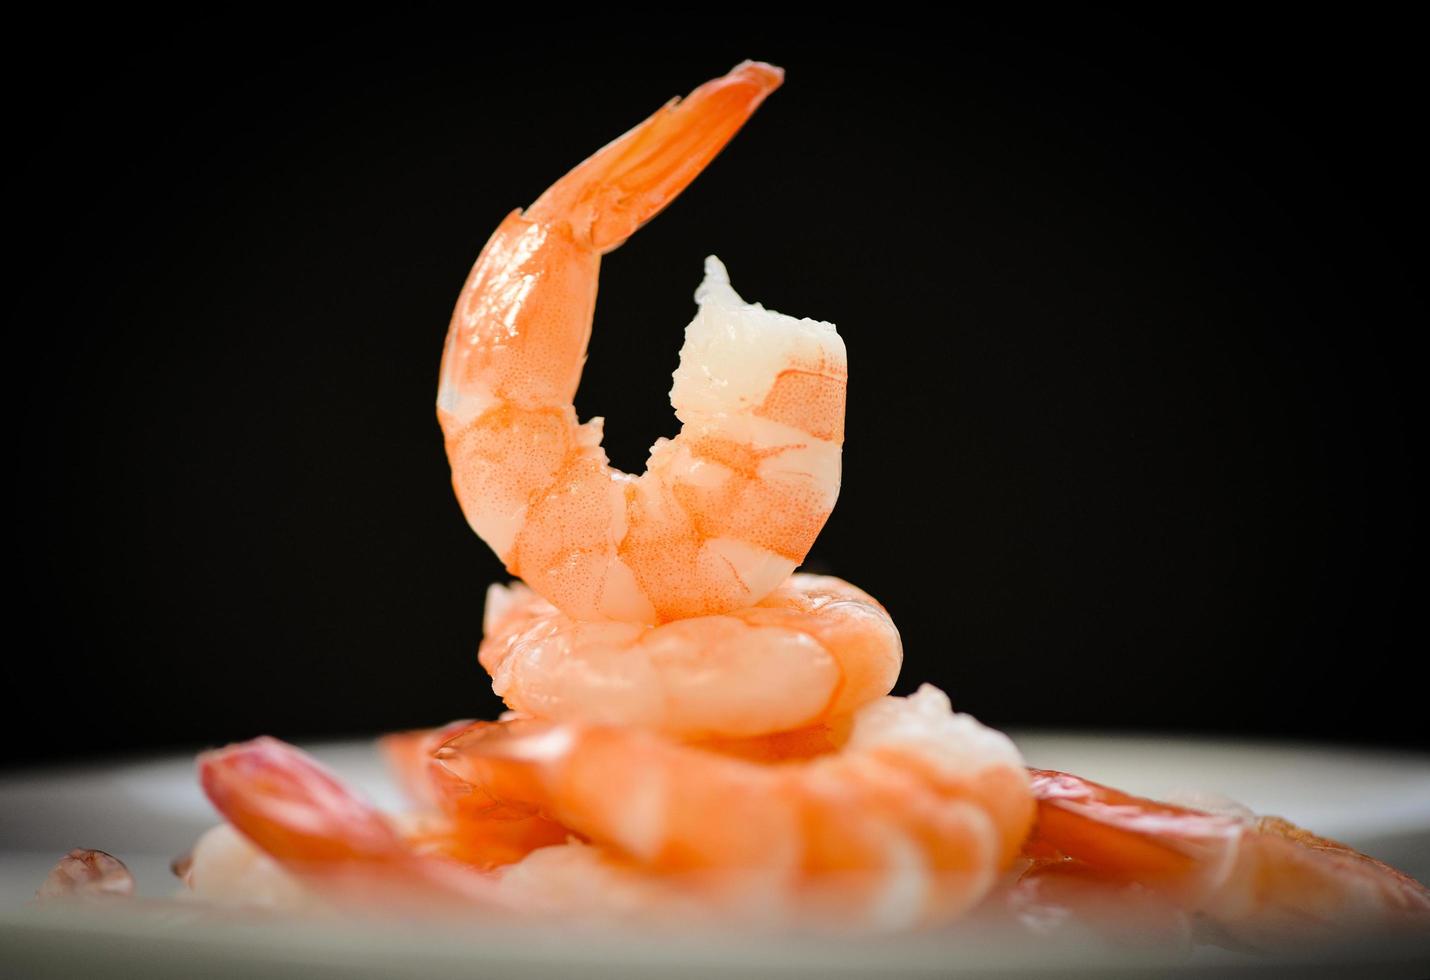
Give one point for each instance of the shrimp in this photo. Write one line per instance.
(1254, 881)
(725, 510)
(455, 822)
(297, 840)
(813, 650)
(908, 823)
(699, 735)
(336, 845)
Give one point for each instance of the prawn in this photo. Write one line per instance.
(909, 823)
(320, 833)
(813, 650)
(697, 732)
(298, 840)
(1252, 881)
(726, 509)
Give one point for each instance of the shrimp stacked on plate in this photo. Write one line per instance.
(696, 732)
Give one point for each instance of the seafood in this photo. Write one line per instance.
(912, 820)
(319, 832)
(1256, 881)
(699, 735)
(298, 840)
(813, 650)
(725, 510)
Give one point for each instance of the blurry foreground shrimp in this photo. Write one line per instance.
(909, 823)
(728, 508)
(1257, 882)
(813, 650)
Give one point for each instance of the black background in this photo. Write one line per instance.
(1127, 303)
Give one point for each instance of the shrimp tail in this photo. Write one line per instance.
(628, 181)
(1257, 882)
(293, 808)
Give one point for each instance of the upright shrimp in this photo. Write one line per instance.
(320, 839)
(725, 510)
(698, 734)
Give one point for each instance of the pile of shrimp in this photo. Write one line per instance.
(697, 733)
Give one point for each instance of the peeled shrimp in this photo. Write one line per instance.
(336, 845)
(298, 840)
(1256, 881)
(814, 649)
(910, 822)
(725, 510)
(698, 735)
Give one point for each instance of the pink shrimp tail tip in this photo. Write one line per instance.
(291, 806)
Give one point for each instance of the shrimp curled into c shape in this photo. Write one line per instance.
(728, 508)
(813, 650)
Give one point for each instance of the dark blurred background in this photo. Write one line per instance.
(1126, 301)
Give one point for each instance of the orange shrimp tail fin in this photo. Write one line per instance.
(409, 759)
(628, 181)
(293, 808)
(1277, 879)
(1128, 837)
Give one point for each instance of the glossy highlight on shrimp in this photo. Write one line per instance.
(320, 832)
(725, 510)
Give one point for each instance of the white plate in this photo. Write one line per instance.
(147, 812)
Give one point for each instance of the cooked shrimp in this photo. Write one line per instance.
(724, 511)
(298, 840)
(814, 649)
(908, 823)
(593, 886)
(318, 832)
(1259, 881)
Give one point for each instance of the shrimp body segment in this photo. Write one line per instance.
(726, 509)
(1259, 881)
(814, 649)
(908, 823)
